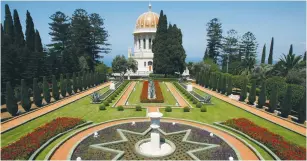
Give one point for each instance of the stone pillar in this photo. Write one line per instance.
(141, 39)
(147, 42)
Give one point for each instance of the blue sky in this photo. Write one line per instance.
(285, 21)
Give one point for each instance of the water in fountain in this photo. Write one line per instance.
(151, 90)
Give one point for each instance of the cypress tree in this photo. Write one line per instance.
(80, 84)
(37, 95)
(38, 42)
(19, 37)
(229, 86)
(243, 91)
(302, 110)
(213, 81)
(25, 98)
(30, 32)
(84, 81)
(273, 99)
(252, 93)
(291, 50)
(46, 91)
(270, 59)
(263, 55)
(224, 84)
(262, 95)
(286, 104)
(11, 103)
(8, 23)
(55, 88)
(75, 82)
(304, 58)
(68, 84)
(62, 86)
(220, 83)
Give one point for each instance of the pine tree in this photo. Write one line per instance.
(262, 95)
(8, 24)
(214, 34)
(263, 55)
(55, 88)
(11, 103)
(252, 93)
(68, 84)
(30, 32)
(46, 91)
(206, 55)
(229, 85)
(62, 86)
(37, 95)
(75, 82)
(25, 98)
(286, 105)
(243, 91)
(273, 99)
(302, 110)
(19, 37)
(249, 45)
(270, 59)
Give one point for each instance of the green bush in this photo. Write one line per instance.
(262, 96)
(252, 93)
(238, 81)
(46, 91)
(112, 97)
(75, 82)
(120, 108)
(109, 100)
(62, 86)
(138, 108)
(286, 105)
(302, 109)
(198, 105)
(195, 101)
(186, 109)
(229, 85)
(37, 98)
(106, 103)
(25, 98)
(68, 85)
(102, 107)
(168, 109)
(11, 103)
(243, 91)
(55, 89)
(203, 108)
(273, 99)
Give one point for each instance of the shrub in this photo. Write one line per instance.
(138, 108)
(106, 103)
(62, 86)
(286, 105)
(68, 85)
(243, 91)
(238, 81)
(252, 93)
(55, 89)
(25, 98)
(262, 95)
(102, 107)
(11, 103)
(37, 98)
(112, 97)
(273, 99)
(203, 108)
(46, 91)
(168, 109)
(186, 109)
(109, 100)
(198, 105)
(195, 101)
(120, 108)
(302, 110)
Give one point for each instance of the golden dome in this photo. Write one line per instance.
(147, 20)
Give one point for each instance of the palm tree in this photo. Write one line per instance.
(289, 62)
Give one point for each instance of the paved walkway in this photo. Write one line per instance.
(63, 151)
(19, 120)
(153, 109)
(279, 121)
(181, 101)
(122, 101)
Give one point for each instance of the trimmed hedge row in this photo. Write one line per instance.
(186, 93)
(112, 97)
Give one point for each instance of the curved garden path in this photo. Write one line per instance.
(181, 101)
(64, 150)
(274, 119)
(19, 120)
(122, 101)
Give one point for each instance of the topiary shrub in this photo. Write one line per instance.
(102, 107)
(203, 108)
(286, 105)
(195, 101)
(106, 103)
(262, 96)
(273, 99)
(109, 100)
(186, 109)
(46, 91)
(112, 97)
(55, 89)
(11, 103)
(243, 91)
(120, 108)
(62, 86)
(198, 105)
(138, 108)
(168, 109)
(37, 98)
(252, 93)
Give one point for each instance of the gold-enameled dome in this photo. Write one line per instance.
(147, 20)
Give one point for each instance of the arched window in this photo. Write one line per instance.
(150, 63)
(145, 64)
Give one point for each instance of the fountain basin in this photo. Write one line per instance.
(144, 148)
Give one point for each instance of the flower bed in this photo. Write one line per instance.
(25, 146)
(144, 95)
(282, 148)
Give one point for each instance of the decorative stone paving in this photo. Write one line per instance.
(276, 120)
(19, 120)
(64, 150)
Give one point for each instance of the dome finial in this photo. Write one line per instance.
(149, 6)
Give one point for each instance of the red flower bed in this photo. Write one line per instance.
(282, 148)
(25, 146)
(144, 95)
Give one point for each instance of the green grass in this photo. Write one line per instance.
(79, 109)
(134, 98)
(222, 111)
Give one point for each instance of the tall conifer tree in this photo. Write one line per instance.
(30, 32)
(19, 37)
(270, 59)
(8, 23)
(263, 55)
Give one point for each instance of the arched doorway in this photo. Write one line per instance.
(150, 65)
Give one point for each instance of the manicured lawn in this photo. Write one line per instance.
(134, 98)
(80, 109)
(222, 111)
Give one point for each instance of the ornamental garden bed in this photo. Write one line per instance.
(144, 95)
(110, 134)
(282, 148)
(25, 146)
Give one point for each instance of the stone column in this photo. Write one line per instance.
(147, 42)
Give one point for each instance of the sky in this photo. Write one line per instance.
(285, 21)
